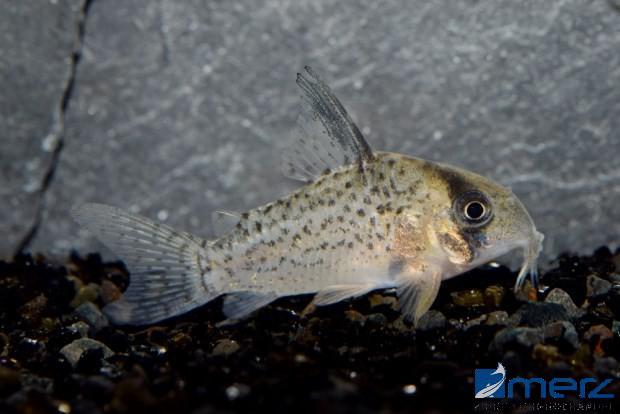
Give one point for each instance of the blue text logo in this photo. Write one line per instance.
(492, 383)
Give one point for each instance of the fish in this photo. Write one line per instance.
(363, 220)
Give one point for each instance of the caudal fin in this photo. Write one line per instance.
(166, 266)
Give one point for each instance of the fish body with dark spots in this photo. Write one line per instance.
(364, 220)
(329, 231)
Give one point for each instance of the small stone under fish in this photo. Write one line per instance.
(365, 220)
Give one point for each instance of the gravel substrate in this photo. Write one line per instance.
(58, 353)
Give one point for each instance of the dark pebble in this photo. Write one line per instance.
(433, 319)
(83, 347)
(563, 334)
(562, 298)
(537, 314)
(597, 286)
(525, 337)
(92, 315)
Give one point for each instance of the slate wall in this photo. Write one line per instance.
(176, 108)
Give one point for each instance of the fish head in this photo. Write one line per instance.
(476, 220)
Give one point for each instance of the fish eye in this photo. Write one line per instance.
(473, 208)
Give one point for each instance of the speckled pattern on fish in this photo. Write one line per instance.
(364, 220)
(313, 236)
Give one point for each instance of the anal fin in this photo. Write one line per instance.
(337, 293)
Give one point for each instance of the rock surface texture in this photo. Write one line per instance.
(37, 67)
(181, 108)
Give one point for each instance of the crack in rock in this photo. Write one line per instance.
(55, 140)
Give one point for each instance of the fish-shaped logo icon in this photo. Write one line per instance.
(488, 385)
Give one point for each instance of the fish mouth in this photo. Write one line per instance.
(531, 251)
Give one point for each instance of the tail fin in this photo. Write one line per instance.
(166, 267)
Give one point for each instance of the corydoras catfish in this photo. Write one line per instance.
(364, 220)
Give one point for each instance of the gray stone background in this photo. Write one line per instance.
(174, 109)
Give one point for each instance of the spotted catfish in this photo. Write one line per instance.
(365, 220)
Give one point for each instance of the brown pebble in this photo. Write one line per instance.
(493, 295)
(582, 358)
(109, 292)
(378, 300)
(305, 333)
(546, 353)
(602, 331)
(33, 309)
(401, 325)
(49, 323)
(225, 347)
(467, 298)
(497, 318)
(355, 316)
(181, 339)
(527, 292)
(88, 293)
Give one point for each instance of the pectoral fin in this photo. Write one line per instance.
(416, 292)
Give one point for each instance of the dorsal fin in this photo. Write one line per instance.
(326, 137)
(224, 220)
